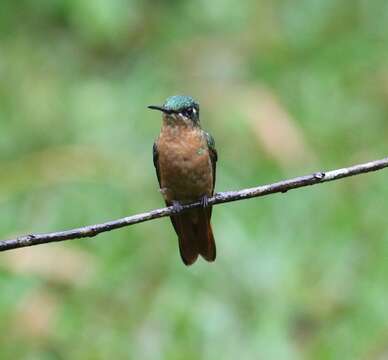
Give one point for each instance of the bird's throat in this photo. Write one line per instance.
(176, 120)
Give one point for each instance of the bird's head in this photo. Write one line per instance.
(179, 108)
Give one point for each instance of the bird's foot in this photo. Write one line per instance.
(204, 201)
(177, 206)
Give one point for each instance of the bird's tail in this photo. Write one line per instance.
(195, 235)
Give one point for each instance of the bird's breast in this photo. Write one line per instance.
(184, 164)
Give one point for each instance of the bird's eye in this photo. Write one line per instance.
(189, 111)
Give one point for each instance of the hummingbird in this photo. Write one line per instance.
(185, 159)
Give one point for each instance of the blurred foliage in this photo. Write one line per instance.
(286, 88)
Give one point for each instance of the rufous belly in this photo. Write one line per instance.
(184, 164)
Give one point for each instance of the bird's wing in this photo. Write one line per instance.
(202, 228)
(213, 154)
(155, 154)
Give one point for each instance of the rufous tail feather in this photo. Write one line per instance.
(195, 235)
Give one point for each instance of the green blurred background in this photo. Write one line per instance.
(286, 88)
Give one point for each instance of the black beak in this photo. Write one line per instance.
(160, 108)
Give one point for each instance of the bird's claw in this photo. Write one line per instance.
(204, 201)
(177, 206)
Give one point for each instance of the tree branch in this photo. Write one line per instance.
(219, 198)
